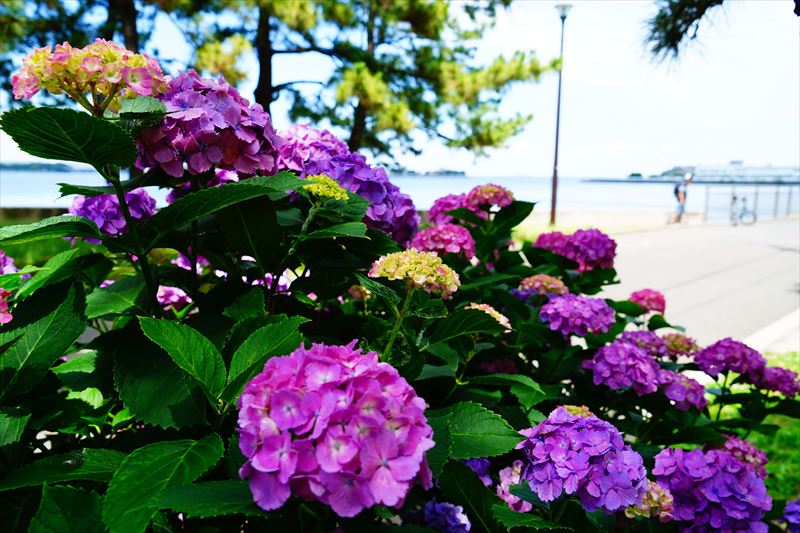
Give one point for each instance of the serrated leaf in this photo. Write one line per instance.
(58, 268)
(133, 493)
(461, 486)
(48, 228)
(476, 432)
(379, 289)
(12, 424)
(347, 229)
(50, 322)
(527, 391)
(212, 498)
(512, 519)
(269, 341)
(123, 297)
(85, 464)
(68, 510)
(69, 135)
(191, 351)
(249, 304)
(466, 322)
(438, 455)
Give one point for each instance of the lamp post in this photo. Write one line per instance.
(562, 9)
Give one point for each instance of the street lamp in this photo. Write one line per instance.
(563, 10)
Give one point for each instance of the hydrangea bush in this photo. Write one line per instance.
(281, 347)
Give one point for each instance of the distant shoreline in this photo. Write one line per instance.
(694, 182)
(41, 167)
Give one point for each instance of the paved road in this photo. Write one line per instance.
(719, 280)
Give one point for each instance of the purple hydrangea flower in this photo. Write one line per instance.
(481, 467)
(582, 455)
(209, 125)
(510, 476)
(333, 424)
(712, 490)
(780, 380)
(749, 455)
(652, 344)
(304, 144)
(730, 355)
(590, 248)
(649, 299)
(445, 239)
(444, 517)
(622, 365)
(438, 211)
(791, 515)
(683, 390)
(173, 298)
(489, 195)
(104, 210)
(577, 315)
(7, 264)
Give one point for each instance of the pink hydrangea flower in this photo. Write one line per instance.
(445, 239)
(492, 312)
(173, 298)
(5, 316)
(489, 195)
(590, 248)
(510, 476)
(438, 211)
(543, 284)
(649, 299)
(332, 423)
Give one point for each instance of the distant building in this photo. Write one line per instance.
(735, 171)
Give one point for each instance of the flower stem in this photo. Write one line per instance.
(292, 249)
(399, 322)
(722, 393)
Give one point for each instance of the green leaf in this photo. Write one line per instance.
(141, 106)
(69, 135)
(48, 228)
(12, 424)
(126, 296)
(438, 455)
(84, 464)
(53, 320)
(511, 216)
(191, 351)
(476, 432)
(627, 308)
(249, 304)
(379, 289)
(133, 493)
(273, 339)
(466, 322)
(527, 391)
(68, 510)
(658, 322)
(512, 519)
(491, 279)
(347, 229)
(435, 371)
(58, 268)
(212, 498)
(461, 486)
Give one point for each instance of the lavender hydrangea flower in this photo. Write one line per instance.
(445, 239)
(209, 125)
(749, 455)
(438, 211)
(791, 515)
(510, 476)
(730, 355)
(7, 264)
(577, 315)
(622, 365)
(712, 490)
(582, 455)
(652, 344)
(590, 248)
(332, 423)
(684, 391)
(104, 210)
(481, 467)
(649, 299)
(780, 380)
(444, 517)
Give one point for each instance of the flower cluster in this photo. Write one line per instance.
(730, 355)
(780, 380)
(684, 391)
(510, 476)
(590, 248)
(325, 188)
(332, 423)
(622, 365)
(489, 195)
(582, 455)
(445, 239)
(492, 312)
(421, 270)
(749, 455)
(209, 125)
(303, 144)
(650, 299)
(438, 211)
(712, 490)
(104, 210)
(652, 344)
(172, 298)
(5, 316)
(481, 467)
(791, 515)
(678, 344)
(657, 501)
(444, 517)
(577, 315)
(103, 69)
(543, 284)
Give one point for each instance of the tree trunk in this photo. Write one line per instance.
(124, 13)
(360, 114)
(265, 91)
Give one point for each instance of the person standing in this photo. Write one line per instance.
(680, 192)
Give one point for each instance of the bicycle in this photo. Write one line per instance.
(742, 216)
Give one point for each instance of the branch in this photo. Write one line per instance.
(282, 86)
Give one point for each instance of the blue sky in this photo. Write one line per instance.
(732, 95)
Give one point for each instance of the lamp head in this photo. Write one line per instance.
(563, 10)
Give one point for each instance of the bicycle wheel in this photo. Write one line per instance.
(747, 218)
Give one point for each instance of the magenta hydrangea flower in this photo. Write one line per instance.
(489, 195)
(582, 455)
(445, 239)
(104, 210)
(332, 423)
(791, 515)
(209, 125)
(444, 517)
(712, 490)
(652, 344)
(679, 345)
(749, 455)
(730, 355)
(780, 380)
(622, 365)
(5, 316)
(577, 315)
(438, 211)
(7, 264)
(304, 144)
(590, 248)
(543, 284)
(510, 476)
(172, 298)
(684, 391)
(649, 299)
